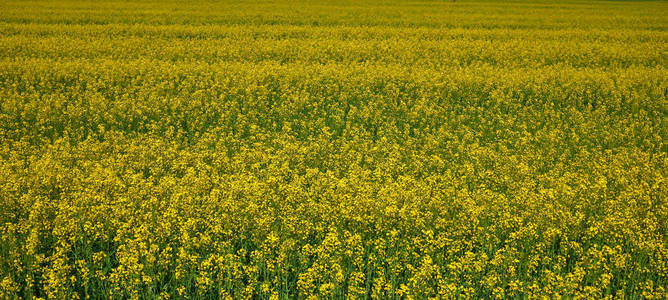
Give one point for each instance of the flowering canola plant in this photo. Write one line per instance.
(333, 149)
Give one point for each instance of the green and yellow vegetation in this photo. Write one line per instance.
(330, 149)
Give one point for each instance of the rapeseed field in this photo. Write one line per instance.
(333, 149)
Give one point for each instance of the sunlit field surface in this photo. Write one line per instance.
(329, 149)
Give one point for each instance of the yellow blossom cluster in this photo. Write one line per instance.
(333, 149)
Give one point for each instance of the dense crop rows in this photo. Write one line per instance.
(316, 149)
